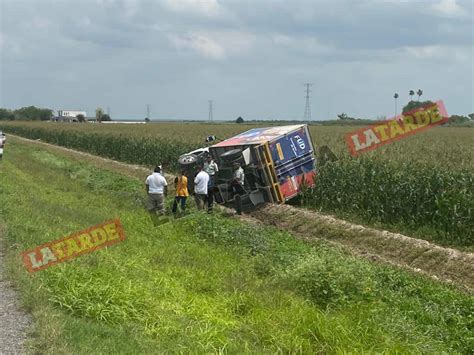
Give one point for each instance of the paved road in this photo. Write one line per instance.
(13, 322)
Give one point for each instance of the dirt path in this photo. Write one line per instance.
(382, 246)
(13, 322)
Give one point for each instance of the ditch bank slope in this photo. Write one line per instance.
(419, 255)
(382, 246)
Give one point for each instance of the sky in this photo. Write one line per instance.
(251, 58)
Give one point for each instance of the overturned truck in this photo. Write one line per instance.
(277, 163)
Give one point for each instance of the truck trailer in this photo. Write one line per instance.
(277, 162)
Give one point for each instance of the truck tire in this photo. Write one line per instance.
(231, 155)
(187, 160)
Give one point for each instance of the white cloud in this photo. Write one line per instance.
(104, 2)
(8, 45)
(204, 7)
(301, 43)
(84, 22)
(214, 45)
(131, 7)
(424, 52)
(201, 44)
(449, 8)
(434, 52)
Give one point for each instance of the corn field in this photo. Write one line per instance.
(407, 195)
(423, 184)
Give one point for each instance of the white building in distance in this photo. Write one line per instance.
(70, 113)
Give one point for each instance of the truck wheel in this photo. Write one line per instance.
(231, 155)
(187, 160)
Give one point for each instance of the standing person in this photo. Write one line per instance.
(201, 182)
(156, 187)
(238, 187)
(211, 168)
(239, 177)
(181, 186)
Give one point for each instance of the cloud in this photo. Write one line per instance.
(301, 43)
(427, 52)
(201, 44)
(203, 7)
(449, 8)
(214, 45)
(131, 7)
(9, 45)
(154, 51)
(438, 53)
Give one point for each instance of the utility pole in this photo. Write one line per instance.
(211, 113)
(108, 111)
(307, 107)
(148, 111)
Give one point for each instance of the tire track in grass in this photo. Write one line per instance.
(420, 256)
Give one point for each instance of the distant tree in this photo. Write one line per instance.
(6, 115)
(80, 117)
(344, 116)
(147, 119)
(106, 117)
(412, 105)
(239, 120)
(457, 119)
(99, 113)
(411, 93)
(471, 116)
(32, 113)
(419, 93)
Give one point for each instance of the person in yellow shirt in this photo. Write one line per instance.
(181, 186)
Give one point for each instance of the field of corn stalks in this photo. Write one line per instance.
(423, 185)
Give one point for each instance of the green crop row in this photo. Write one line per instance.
(409, 195)
(146, 151)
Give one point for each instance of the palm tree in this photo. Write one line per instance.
(419, 93)
(395, 96)
(411, 93)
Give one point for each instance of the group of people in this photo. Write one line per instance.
(156, 187)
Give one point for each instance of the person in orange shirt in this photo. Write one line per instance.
(181, 186)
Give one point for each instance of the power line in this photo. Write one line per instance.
(211, 111)
(307, 107)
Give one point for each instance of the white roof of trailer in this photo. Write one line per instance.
(259, 135)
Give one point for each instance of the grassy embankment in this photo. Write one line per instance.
(203, 283)
(421, 186)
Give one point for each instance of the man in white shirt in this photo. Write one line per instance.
(210, 167)
(238, 187)
(200, 187)
(156, 187)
